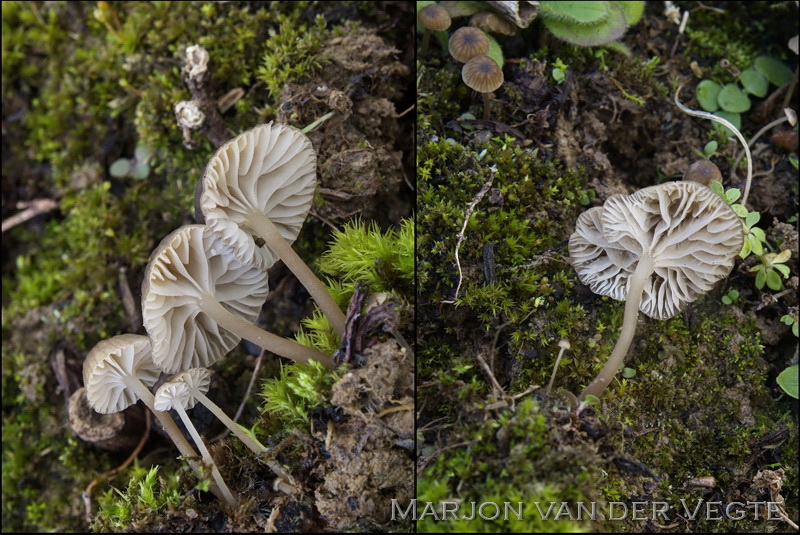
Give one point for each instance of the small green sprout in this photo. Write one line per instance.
(137, 167)
(791, 319)
(731, 297)
(559, 71)
(709, 150)
(754, 236)
(767, 271)
(589, 401)
(586, 197)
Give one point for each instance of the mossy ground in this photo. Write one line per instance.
(703, 400)
(83, 85)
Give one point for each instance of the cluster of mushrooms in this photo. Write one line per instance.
(469, 45)
(205, 285)
(657, 249)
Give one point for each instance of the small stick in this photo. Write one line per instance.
(467, 215)
(32, 209)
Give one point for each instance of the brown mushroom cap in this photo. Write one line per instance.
(468, 42)
(490, 22)
(704, 172)
(434, 17)
(689, 234)
(482, 74)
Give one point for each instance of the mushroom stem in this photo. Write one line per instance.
(254, 445)
(174, 433)
(275, 241)
(261, 338)
(487, 106)
(634, 297)
(426, 37)
(206, 455)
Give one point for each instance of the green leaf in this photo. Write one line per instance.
(788, 380)
(495, 52)
(707, 92)
(783, 269)
(752, 218)
(734, 118)
(733, 99)
(732, 195)
(745, 250)
(142, 153)
(740, 210)
(709, 149)
(755, 244)
(599, 33)
(795, 328)
(628, 373)
(140, 171)
(773, 279)
(788, 319)
(773, 70)
(576, 12)
(754, 82)
(717, 188)
(761, 278)
(633, 11)
(120, 168)
(727, 300)
(759, 234)
(783, 256)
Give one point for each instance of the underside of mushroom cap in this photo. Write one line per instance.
(270, 168)
(109, 363)
(197, 379)
(689, 231)
(191, 265)
(171, 394)
(242, 244)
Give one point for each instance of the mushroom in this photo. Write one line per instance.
(468, 42)
(484, 75)
(176, 395)
(200, 297)
(658, 249)
(490, 22)
(704, 172)
(264, 180)
(198, 381)
(434, 18)
(117, 372)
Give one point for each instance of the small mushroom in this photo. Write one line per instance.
(658, 249)
(200, 297)
(198, 381)
(703, 172)
(434, 18)
(264, 180)
(468, 42)
(117, 372)
(484, 75)
(176, 395)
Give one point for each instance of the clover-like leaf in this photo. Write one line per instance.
(733, 99)
(754, 82)
(773, 70)
(707, 92)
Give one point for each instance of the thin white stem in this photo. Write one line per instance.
(720, 120)
(206, 455)
(555, 369)
(271, 342)
(172, 430)
(254, 445)
(753, 139)
(270, 233)
(635, 287)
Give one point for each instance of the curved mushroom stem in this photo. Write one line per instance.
(255, 446)
(635, 287)
(206, 455)
(270, 233)
(487, 106)
(173, 431)
(261, 338)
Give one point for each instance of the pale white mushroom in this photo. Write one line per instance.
(120, 370)
(198, 381)
(264, 181)
(176, 395)
(200, 297)
(658, 249)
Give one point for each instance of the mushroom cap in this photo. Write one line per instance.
(490, 22)
(434, 17)
(242, 244)
(190, 265)
(482, 74)
(181, 387)
(110, 363)
(270, 168)
(468, 42)
(689, 231)
(704, 172)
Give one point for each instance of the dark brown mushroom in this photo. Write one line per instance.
(484, 75)
(468, 42)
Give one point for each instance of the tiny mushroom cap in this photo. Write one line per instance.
(704, 172)
(492, 23)
(114, 370)
(482, 74)
(468, 42)
(564, 343)
(434, 17)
